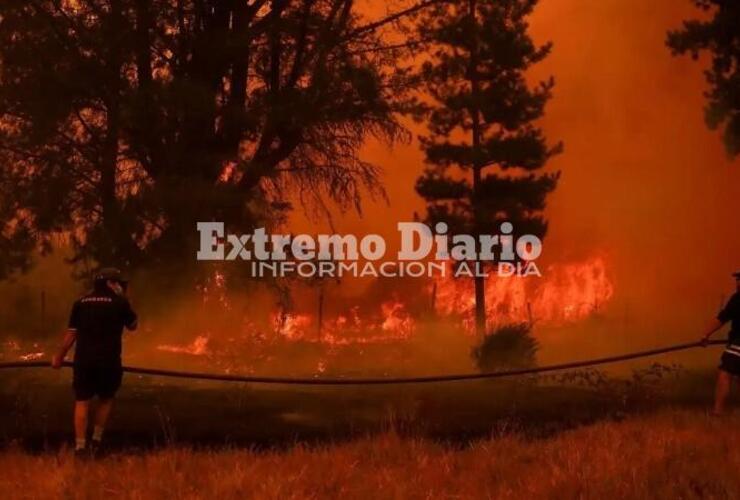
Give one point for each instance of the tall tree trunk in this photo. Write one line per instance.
(480, 285)
(109, 160)
(234, 114)
(155, 163)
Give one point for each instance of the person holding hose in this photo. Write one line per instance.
(96, 325)
(730, 362)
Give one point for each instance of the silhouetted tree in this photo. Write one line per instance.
(720, 36)
(483, 148)
(123, 122)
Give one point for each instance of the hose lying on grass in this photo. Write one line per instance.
(385, 380)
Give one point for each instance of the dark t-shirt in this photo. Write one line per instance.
(731, 312)
(99, 319)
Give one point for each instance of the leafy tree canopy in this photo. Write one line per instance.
(123, 122)
(719, 35)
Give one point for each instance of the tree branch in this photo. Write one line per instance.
(392, 18)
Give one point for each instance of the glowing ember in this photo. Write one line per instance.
(292, 326)
(391, 322)
(214, 292)
(32, 356)
(17, 351)
(12, 345)
(397, 319)
(199, 347)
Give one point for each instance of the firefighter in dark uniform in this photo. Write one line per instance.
(730, 362)
(96, 325)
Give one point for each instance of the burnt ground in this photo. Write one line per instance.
(36, 408)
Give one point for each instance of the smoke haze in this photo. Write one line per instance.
(644, 182)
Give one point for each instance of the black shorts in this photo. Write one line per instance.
(730, 363)
(96, 379)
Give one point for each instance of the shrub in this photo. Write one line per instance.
(507, 347)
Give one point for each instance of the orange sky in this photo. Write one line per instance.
(642, 178)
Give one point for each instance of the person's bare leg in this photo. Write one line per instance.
(722, 391)
(81, 410)
(102, 412)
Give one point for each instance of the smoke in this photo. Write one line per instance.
(643, 180)
(644, 184)
(642, 175)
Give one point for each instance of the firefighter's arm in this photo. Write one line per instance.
(723, 317)
(69, 339)
(715, 325)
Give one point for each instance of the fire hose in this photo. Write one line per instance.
(225, 377)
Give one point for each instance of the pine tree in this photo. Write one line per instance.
(720, 36)
(484, 150)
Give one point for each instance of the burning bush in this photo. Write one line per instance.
(509, 346)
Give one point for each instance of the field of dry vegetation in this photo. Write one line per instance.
(670, 454)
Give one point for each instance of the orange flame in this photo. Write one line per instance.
(198, 347)
(391, 322)
(566, 293)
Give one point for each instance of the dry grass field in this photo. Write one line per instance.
(669, 454)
